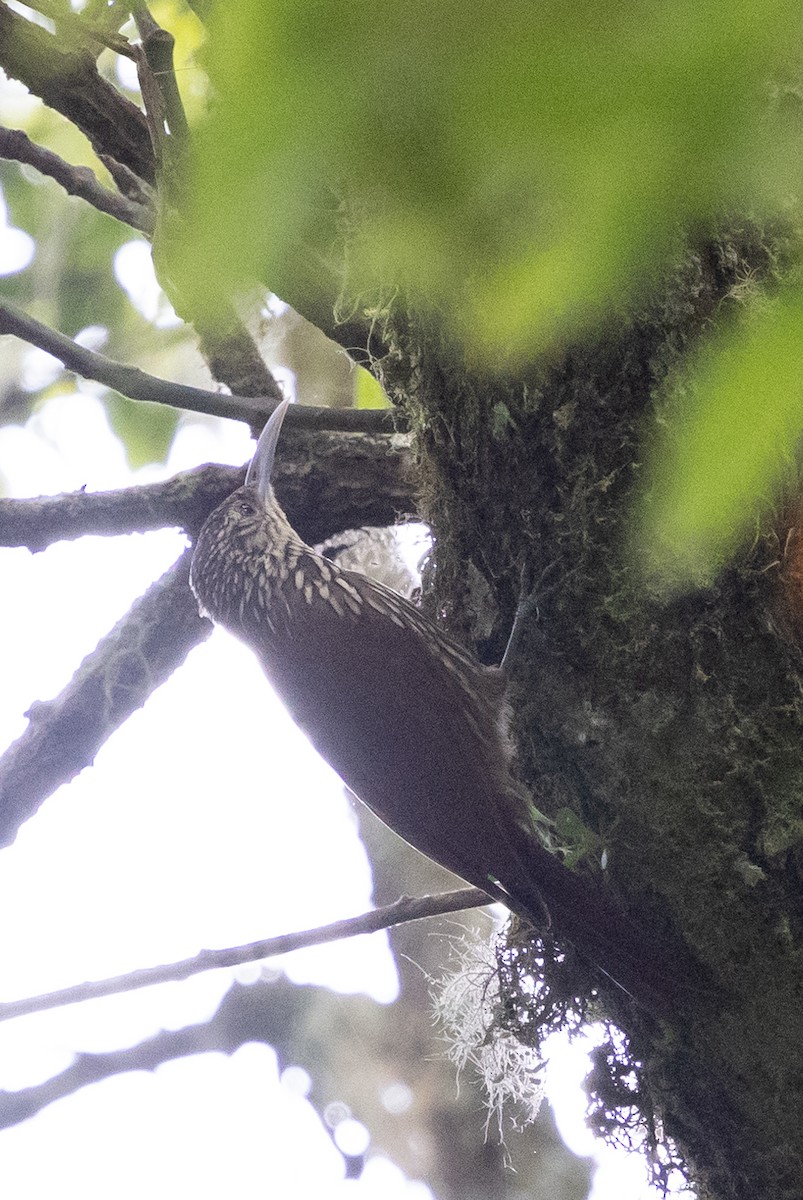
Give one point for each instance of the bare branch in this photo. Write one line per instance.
(138, 385)
(266, 1011)
(182, 501)
(21, 1105)
(76, 181)
(329, 482)
(407, 908)
(65, 734)
(68, 81)
(240, 1018)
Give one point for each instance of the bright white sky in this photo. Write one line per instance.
(205, 821)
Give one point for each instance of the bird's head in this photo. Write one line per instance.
(238, 538)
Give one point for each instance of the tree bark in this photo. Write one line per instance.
(671, 729)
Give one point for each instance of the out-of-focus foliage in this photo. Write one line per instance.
(524, 167)
(368, 391)
(734, 431)
(146, 430)
(528, 171)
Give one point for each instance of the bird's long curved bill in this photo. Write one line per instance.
(261, 467)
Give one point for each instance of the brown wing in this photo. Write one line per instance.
(383, 698)
(407, 719)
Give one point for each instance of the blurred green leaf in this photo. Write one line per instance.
(729, 445)
(577, 840)
(526, 168)
(146, 430)
(368, 391)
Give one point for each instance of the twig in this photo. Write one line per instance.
(138, 385)
(408, 908)
(257, 1012)
(269, 1011)
(76, 181)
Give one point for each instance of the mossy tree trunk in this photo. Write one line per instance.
(672, 729)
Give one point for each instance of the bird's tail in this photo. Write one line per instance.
(540, 888)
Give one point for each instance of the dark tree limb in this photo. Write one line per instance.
(330, 482)
(65, 734)
(181, 501)
(238, 1020)
(138, 385)
(76, 181)
(262, 1012)
(68, 81)
(405, 909)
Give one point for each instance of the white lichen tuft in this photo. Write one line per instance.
(468, 1006)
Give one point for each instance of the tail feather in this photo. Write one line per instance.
(542, 890)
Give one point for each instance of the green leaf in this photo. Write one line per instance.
(146, 430)
(728, 446)
(577, 840)
(368, 391)
(525, 168)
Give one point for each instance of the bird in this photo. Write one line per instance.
(410, 720)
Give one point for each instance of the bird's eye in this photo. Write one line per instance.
(245, 509)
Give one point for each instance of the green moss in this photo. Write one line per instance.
(672, 731)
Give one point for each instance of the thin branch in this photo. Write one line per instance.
(138, 385)
(265, 1011)
(407, 908)
(228, 348)
(230, 351)
(64, 735)
(76, 181)
(247, 1013)
(87, 1069)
